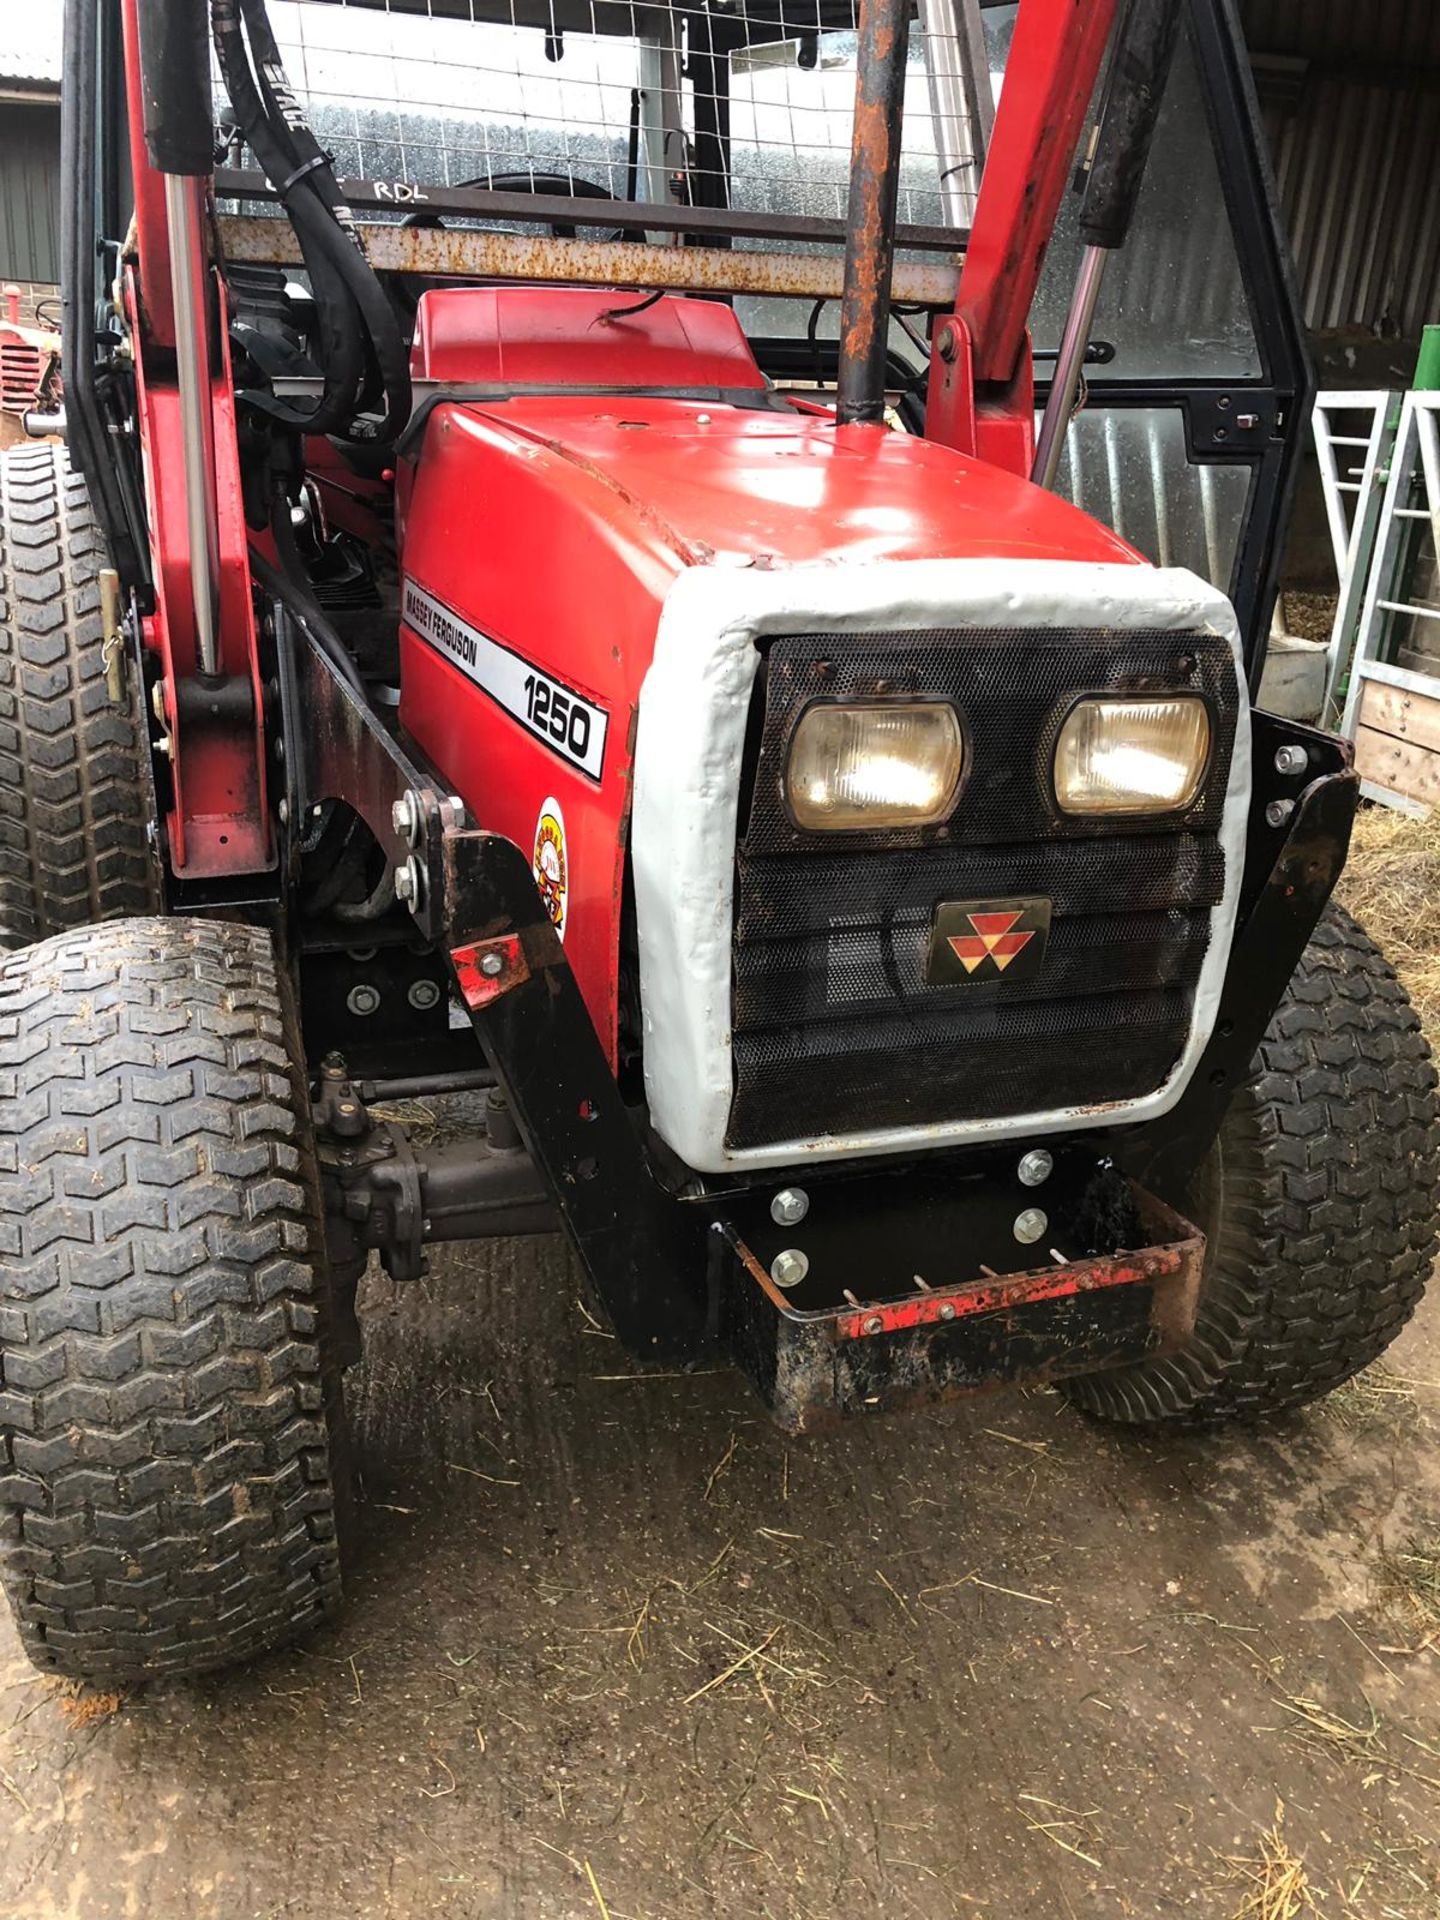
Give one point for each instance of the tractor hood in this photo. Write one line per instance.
(659, 423)
(765, 485)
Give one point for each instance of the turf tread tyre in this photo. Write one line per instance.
(1323, 1214)
(1323, 1218)
(171, 1421)
(73, 845)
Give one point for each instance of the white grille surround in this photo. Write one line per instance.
(694, 708)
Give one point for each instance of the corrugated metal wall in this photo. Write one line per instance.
(1355, 134)
(1358, 166)
(29, 192)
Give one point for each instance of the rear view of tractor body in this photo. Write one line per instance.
(585, 632)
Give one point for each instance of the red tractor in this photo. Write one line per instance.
(29, 370)
(553, 595)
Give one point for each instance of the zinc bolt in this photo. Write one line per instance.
(1030, 1225)
(1278, 812)
(422, 994)
(1291, 759)
(408, 882)
(947, 1309)
(788, 1269)
(872, 1323)
(362, 1000)
(405, 817)
(790, 1206)
(1035, 1167)
(491, 965)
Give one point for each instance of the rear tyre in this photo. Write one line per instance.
(171, 1423)
(73, 777)
(1319, 1200)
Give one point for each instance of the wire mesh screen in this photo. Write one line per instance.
(738, 104)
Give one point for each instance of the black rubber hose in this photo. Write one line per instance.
(341, 343)
(357, 319)
(312, 173)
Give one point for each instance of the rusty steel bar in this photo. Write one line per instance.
(870, 220)
(724, 225)
(470, 255)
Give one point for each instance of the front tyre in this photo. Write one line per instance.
(1319, 1202)
(171, 1425)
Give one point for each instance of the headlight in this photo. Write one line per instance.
(881, 766)
(1145, 755)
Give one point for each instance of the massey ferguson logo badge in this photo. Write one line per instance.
(988, 940)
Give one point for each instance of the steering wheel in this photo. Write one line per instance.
(566, 183)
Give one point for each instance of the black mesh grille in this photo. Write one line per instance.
(835, 1025)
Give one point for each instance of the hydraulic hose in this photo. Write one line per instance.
(341, 346)
(363, 353)
(283, 111)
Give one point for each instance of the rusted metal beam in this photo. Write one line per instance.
(870, 223)
(442, 253)
(557, 210)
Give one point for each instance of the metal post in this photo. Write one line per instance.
(870, 219)
(183, 202)
(961, 102)
(1068, 365)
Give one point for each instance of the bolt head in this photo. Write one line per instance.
(788, 1269)
(405, 817)
(1291, 759)
(1031, 1225)
(947, 1309)
(408, 882)
(422, 994)
(872, 1323)
(1278, 812)
(362, 1000)
(1035, 1167)
(491, 965)
(790, 1206)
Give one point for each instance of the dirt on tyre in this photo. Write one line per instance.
(1319, 1202)
(73, 774)
(172, 1459)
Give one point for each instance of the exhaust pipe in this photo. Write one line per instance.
(870, 220)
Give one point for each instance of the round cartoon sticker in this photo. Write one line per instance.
(551, 864)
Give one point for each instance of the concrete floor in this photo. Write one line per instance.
(1013, 1664)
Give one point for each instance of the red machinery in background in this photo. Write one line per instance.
(29, 371)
